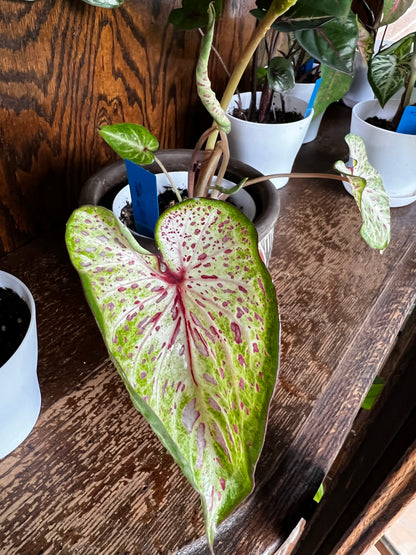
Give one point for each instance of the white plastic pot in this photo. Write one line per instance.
(393, 155)
(19, 387)
(304, 92)
(270, 148)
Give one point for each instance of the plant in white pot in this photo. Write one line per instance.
(386, 125)
(19, 388)
(193, 329)
(328, 32)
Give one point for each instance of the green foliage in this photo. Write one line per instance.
(373, 393)
(390, 69)
(194, 334)
(333, 87)
(370, 196)
(194, 13)
(333, 43)
(280, 74)
(393, 9)
(131, 142)
(319, 494)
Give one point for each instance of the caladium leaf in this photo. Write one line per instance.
(369, 193)
(131, 141)
(194, 334)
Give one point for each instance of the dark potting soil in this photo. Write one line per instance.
(275, 116)
(381, 123)
(14, 322)
(165, 200)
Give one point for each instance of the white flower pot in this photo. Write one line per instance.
(393, 155)
(19, 387)
(360, 89)
(304, 92)
(270, 148)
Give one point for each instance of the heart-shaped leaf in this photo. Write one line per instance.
(390, 68)
(194, 334)
(369, 193)
(280, 74)
(333, 43)
(334, 85)
(131, 141)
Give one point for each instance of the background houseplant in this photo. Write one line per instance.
(193, 331)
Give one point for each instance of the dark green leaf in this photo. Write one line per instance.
(193, 14)
(280, 74)
(393, 9)
(333, 87)
(373, 393)
(131, 142)
(333, 44)
(390, 69)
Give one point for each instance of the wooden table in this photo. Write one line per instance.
(93, 479)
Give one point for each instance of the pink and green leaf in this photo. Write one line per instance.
(194, 334)
(369, 193)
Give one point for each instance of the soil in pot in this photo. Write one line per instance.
(275, 116)
(14, 322)
(165, 201)
(381, 123)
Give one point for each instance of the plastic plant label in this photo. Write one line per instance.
(407, 123)
(313, 96)
(143, 190)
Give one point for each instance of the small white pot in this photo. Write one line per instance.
(19, 387)
(393, 155)
(270, 148)
(242, 199)
(304, 92)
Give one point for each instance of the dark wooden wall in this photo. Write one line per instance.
(65, 69)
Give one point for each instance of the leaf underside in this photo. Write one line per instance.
(194, 334)
(369, 193)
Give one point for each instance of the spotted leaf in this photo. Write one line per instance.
(369, 193)
(194, 334)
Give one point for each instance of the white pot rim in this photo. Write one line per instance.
(12, 282)
(374, 109)
(302, 107)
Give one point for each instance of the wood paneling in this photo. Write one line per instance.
(67, 68)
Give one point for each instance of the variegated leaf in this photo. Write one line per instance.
(368, 191)
(194, 333)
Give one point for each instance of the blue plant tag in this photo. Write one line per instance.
(408, 122)
(143, 190)
(313, 96)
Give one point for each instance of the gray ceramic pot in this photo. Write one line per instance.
(102, 187)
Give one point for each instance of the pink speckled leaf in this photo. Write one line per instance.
(194, 333)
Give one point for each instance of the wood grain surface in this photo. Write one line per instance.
(91, 478)
(66, 68)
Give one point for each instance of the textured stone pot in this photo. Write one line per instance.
(103, 186)
(19, 387)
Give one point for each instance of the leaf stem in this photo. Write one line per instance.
(164, 170)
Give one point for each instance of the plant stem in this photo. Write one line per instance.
(277, 8)
(295, 176)
(164, 170)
